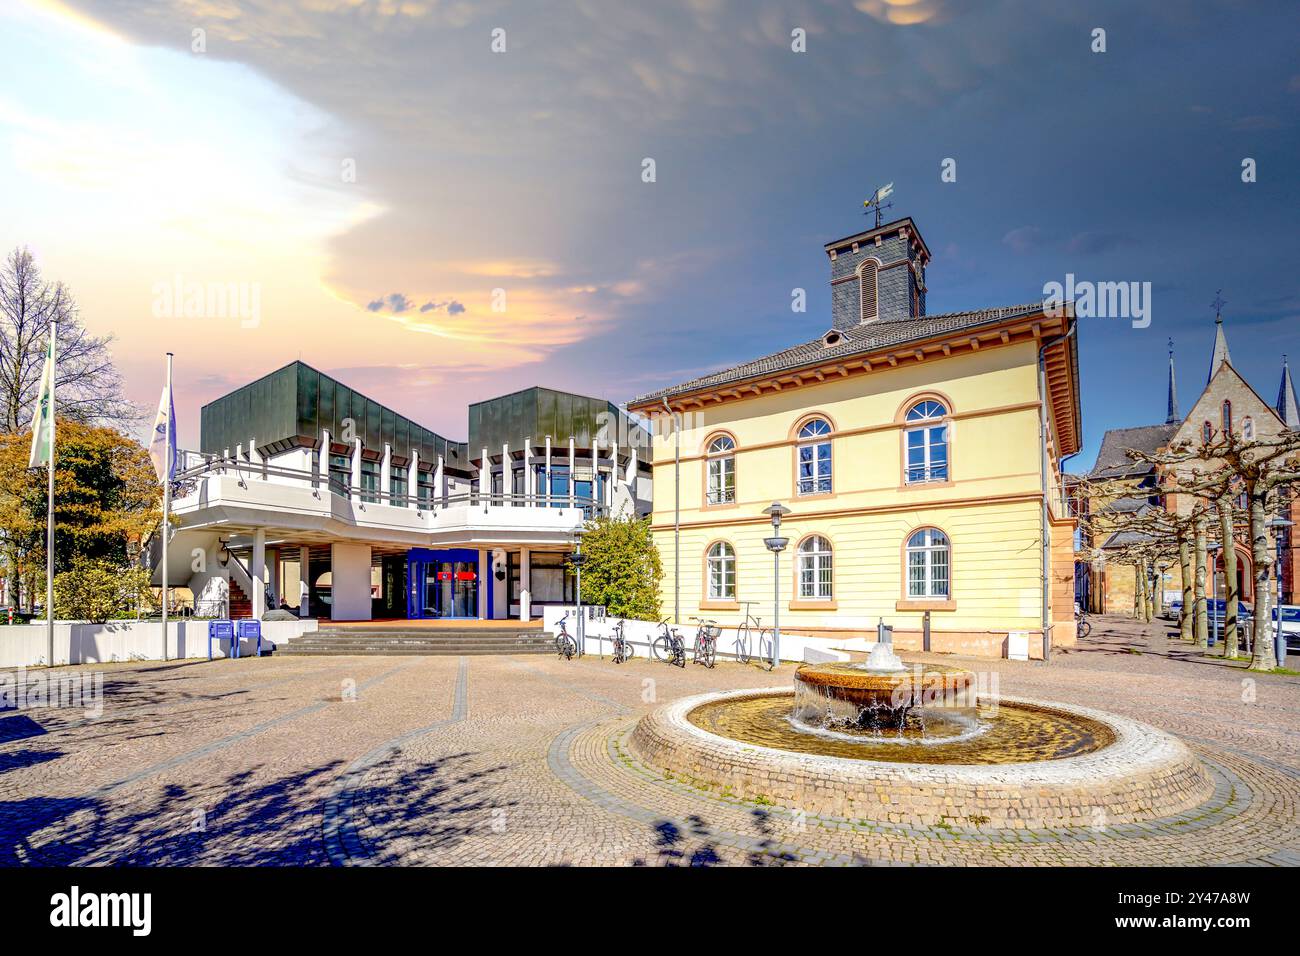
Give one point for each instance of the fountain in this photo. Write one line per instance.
(885, 740)
(883, 696)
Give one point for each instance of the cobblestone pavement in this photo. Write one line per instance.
(521, 761)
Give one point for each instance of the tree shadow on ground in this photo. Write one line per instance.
(697, 845)
(411, 812)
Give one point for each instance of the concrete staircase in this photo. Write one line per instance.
(383, 640)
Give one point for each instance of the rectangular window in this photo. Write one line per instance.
(927, 454)
(340, 474)
(369, 481)
(397, 485)
(559, 486)
(815, 468)
(424, 488)
(722, 481)
(550, 581)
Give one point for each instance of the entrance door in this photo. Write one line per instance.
(444, 584)
(450, 589)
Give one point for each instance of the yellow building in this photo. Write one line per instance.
(909, 450)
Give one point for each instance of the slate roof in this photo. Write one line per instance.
(884, 333)
(1121, 539)
(1113, 460)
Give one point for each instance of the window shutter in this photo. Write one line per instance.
(870, 309)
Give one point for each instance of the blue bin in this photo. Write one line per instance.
(251, 629)
(222, 631)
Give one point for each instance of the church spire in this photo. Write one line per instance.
(1286, 403)
(1220, 340)
(1172, 416)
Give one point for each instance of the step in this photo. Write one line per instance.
(442, 651)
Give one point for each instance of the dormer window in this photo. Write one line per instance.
(833, 337)
(867, 282)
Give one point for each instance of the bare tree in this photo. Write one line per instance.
(1263, 467)
(90, 387)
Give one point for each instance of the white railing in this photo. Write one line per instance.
(197, 466)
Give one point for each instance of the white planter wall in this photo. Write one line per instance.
(24, 645)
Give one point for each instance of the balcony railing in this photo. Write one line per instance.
(197, 467)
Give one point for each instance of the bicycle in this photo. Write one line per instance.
(668, 646)
(622, 646)
(755, 632)
(1082, 626)
(565, 645)
(706, 643)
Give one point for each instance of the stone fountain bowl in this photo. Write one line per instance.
(1140, 774)
(858, 685)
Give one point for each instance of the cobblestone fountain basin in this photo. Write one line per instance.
(1026, 764)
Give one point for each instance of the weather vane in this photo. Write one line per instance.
(1218, 303)
(877, 200)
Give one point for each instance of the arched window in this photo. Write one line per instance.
(1227, 417)
(1248, 428)
(927, 564)
(927, 442)
(1207, 433)
(814, 457)
(815, 569)
(721, 465)
(722, 572)
(867, 283)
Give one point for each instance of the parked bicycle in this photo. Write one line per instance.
(565, 645)
(753, 640)
(622, 646)
(669, 646)
(1082, 626)
(706, 642)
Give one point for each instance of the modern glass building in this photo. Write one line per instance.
(306, 494)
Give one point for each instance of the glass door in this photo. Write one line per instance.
(450, 589)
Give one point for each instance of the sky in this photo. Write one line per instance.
(440, 202)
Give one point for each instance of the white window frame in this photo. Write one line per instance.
(816, 569)
(926, 423)
(721, 570)
(813, 444)
(720, 465)
(926, 551)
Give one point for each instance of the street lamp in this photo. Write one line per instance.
(577, 559)
(776, 544)
(1278, 524)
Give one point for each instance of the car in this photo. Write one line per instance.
(1290, 625)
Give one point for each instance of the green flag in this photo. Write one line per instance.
(43, 420)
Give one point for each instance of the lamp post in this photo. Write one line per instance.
(1278, 524)
(1212, 549)
(776, 544)
(577, 559)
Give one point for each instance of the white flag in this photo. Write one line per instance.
(162, 445)
(43, 419)
(884, 192)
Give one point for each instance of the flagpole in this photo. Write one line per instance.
(49, 514)
(167, 501)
